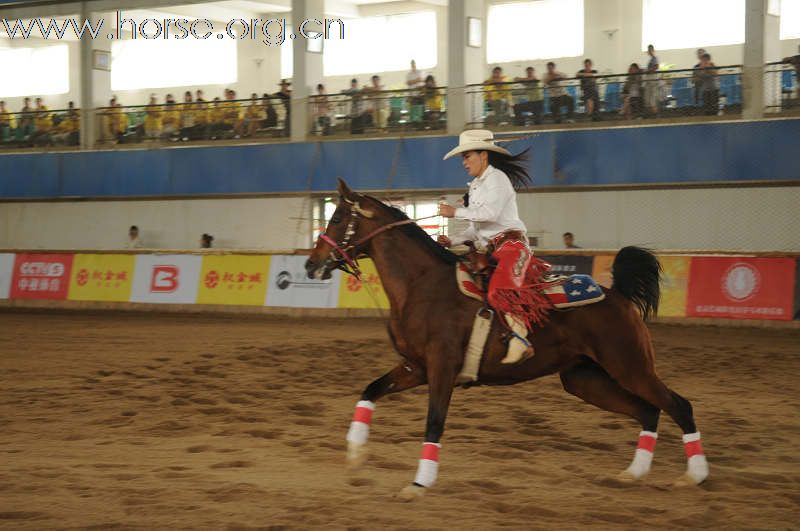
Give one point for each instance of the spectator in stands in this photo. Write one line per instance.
(534, 96)
(216, 119)
(206, 240)
(152, 119)
(708, 83)
(651, 87)
(253, 116)
(795, 61)
(7, 123)
(558, 95)
(134, 241)
(25, 127)
(632, 91)
(569, 241)
(591, 98)
(117, 122)
(186, 116)
(270, 114)
(285, 95)
(170, 118)
(232, 113)
(375, 105)
(42, 123)
(67, 132)
(322, 110)
(498, 94)
(434, 103)
(200, 111)
(415, 78)
(698, 94)
(358, 118)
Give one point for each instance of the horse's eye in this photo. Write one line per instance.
(336, 220)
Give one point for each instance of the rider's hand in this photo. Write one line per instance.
(446, 210)
(444, 241)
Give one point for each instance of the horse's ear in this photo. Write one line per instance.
(344, 190)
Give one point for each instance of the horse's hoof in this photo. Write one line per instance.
(356, 455)
(627, 476)
(412, 492)
(690, 479)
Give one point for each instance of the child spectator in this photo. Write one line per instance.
(534, 94)
(67, 131)
(591, 98)
(170, 118)
(434, 103)
(253, 116)
(232, 113)
(216, 118)
(42, 124)
(634, 104)
(152, 119)
(558, 95)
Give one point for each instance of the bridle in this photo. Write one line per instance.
(340, 256)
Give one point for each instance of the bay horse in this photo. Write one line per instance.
(602, 352)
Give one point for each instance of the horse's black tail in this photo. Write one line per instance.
(636, 273)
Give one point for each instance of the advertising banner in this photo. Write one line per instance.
(41, 276)
(367, 293)
(568, 264)
(741, 288)
(6, 272)
(233, 279)
(601, 269)
(167, 279)
(674, 285)
(102, 277)
(290, 286)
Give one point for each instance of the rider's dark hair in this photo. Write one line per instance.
(513, 166)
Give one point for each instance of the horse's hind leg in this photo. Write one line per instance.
(404, 376)
(589, 382)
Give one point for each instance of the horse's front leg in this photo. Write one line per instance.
(441, 380)
(404, 376)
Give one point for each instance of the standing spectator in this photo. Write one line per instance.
(42, 123)
(152, 119)
(708, 81)
(67, 131)
(498, 94)
(558, 95)
(25, 127)
(285, 94)
(187, 116)
(534, 94)
(206, 241)
(200, 111)
(652, 89)
(569, 241)
(634, 104)
(270, 114)
(170, 118)
(375, 103)
(117, 120)
(357, 115)
(415, 78)
(322, 110)
(795, 60)
(216, 118)
(434, 103)
(698, 94)
(134, 241)
(6, 123)
(591, 98)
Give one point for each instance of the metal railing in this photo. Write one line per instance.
(782, 87)
(662, 94)
(60, 127)
(378, 112)
(183, 122)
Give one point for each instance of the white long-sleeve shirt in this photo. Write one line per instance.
(492, 208)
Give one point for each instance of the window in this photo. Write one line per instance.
(712, 23)
(376, 44)
(40, 71)
(534, 30)
(142, 64)
(790, 19)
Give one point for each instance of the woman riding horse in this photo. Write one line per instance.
(494, 225)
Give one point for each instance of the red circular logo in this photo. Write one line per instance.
(353, 284)
(83, 277)
(741, 282)
(212, 279)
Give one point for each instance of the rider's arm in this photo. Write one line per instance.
(489, 203)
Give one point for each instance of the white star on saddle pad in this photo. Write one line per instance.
(591, 289)
(577, 281)
(575, 293)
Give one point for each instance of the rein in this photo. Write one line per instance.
(344, 261)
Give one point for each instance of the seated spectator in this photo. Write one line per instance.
(7, 123)
(200, 111)
(42, 123)
(117, 120)
(591, 98)
(569, 241)
(434, 103)
(270, 114)
(68, 130)
(558, 95)
(232, 113)
(285, 95)
(795, 61)
(186, 116)
(322, 110)
(216, 119)
(170, 118)
(206, 241)
(152, 119)
(253, 116)
(708, 83)
(652, 86)
(632, 91)
(25, 126)
(134, 242)
(498, 94)
(534, 98)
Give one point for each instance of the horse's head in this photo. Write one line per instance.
(356, 217)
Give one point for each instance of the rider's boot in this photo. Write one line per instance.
(519, 348)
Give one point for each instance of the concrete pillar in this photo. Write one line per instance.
(761, 46)
(465, 64)
(95, 84)
(307, 65)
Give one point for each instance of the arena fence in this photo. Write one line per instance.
(758, 288)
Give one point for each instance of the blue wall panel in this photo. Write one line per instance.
(738, 151)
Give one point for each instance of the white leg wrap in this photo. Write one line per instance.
(359, 427)
(697, 465)
(428, 467)
(643, 458)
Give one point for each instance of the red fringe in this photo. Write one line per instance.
(528, 303)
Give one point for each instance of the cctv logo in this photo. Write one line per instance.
(164, 279)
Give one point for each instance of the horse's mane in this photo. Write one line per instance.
(415, 232)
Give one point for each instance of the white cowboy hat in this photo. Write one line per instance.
(476, 140)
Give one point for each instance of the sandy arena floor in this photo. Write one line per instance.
(166, 421)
